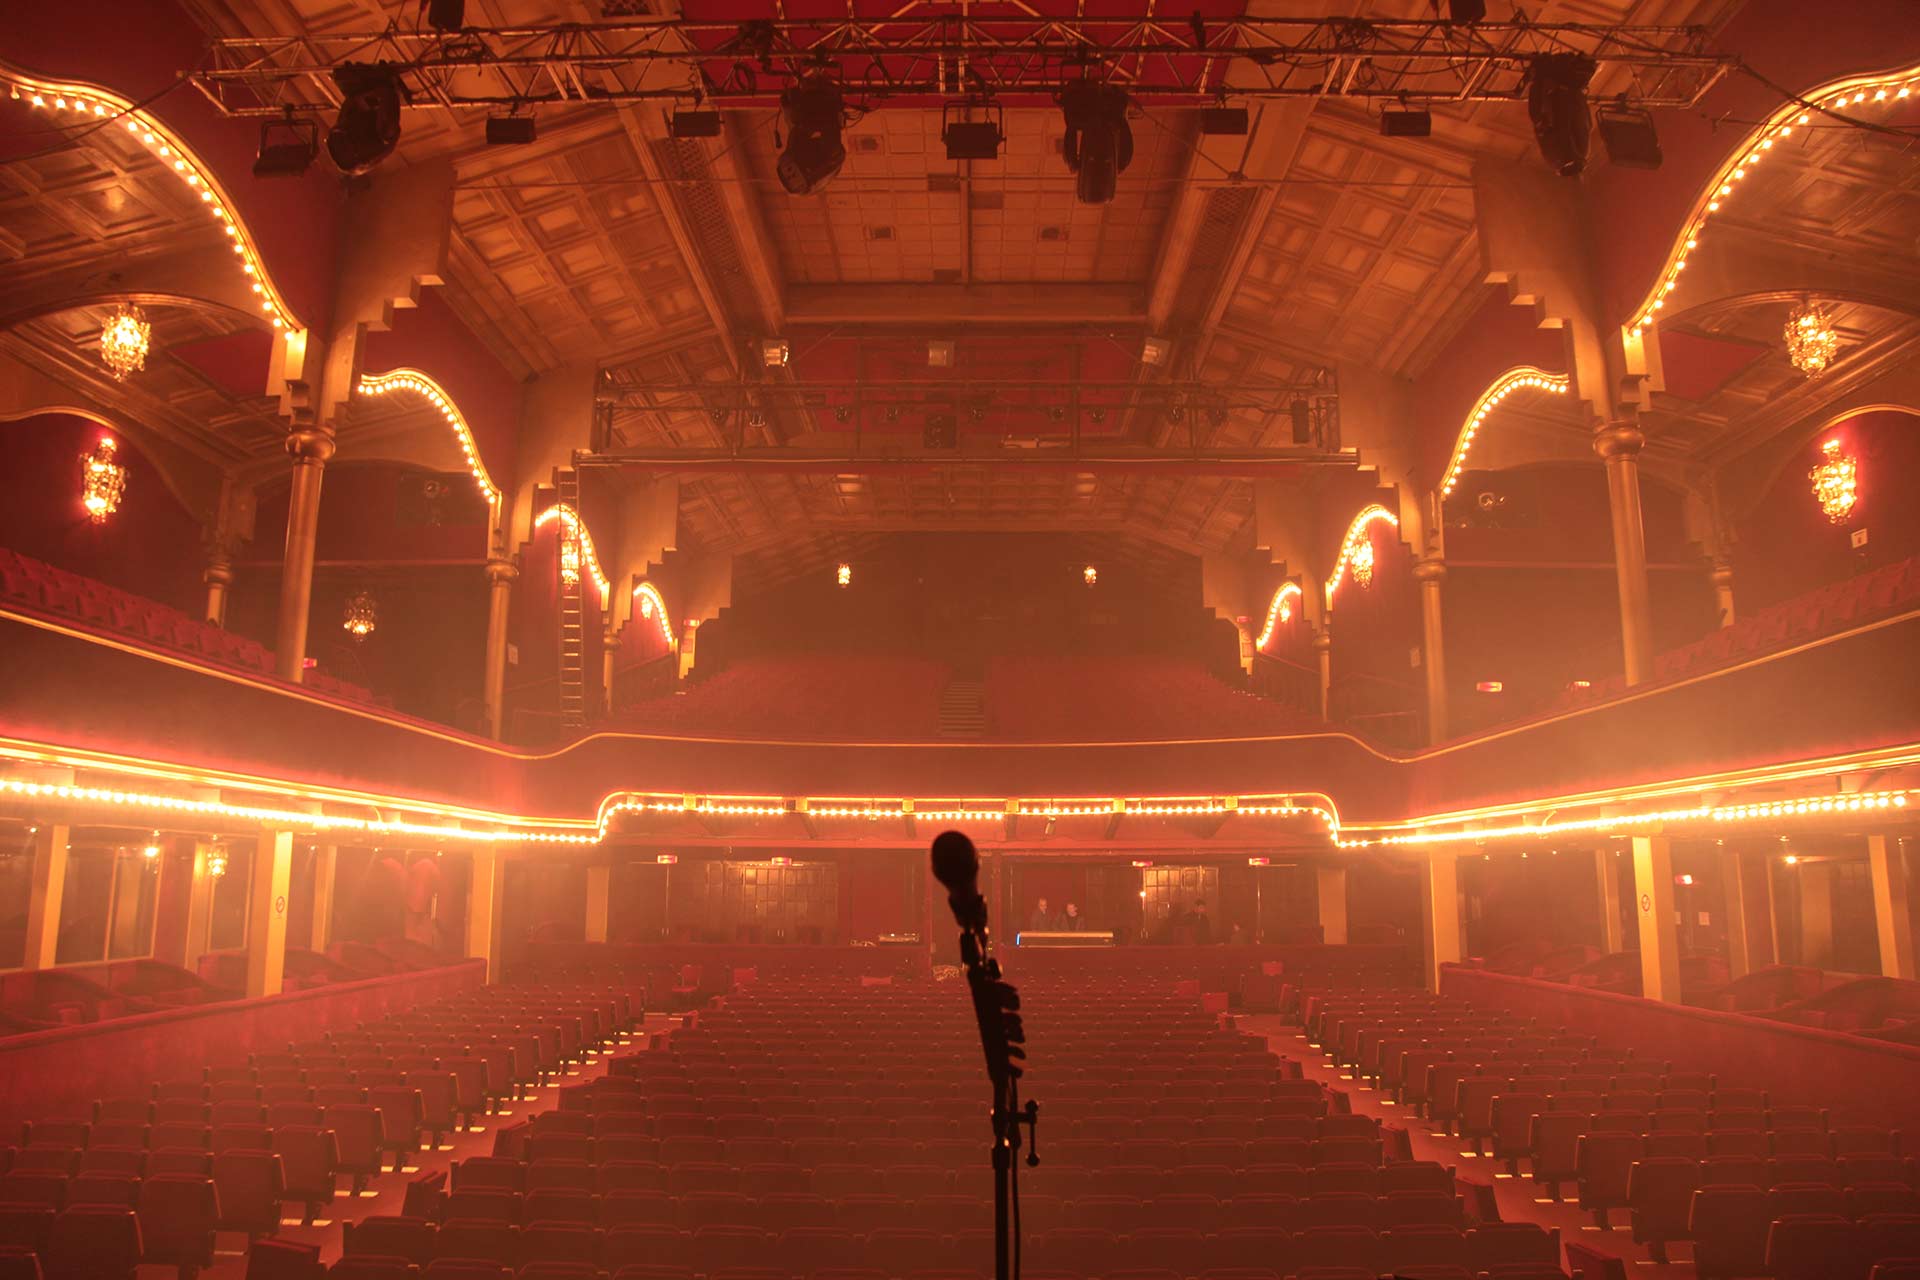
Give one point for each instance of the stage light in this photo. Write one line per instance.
(1098, 145)
(1406, 122)
(446, 15)
(1468, 11)
(694, 124)
(287, 148)
(971, 139)
(1557, 104)
(1300, 414)
(1629, 137)
(368, 127)
(1224, 122)
(774, 352)
(510, 131)
(940, 431)
(814, 151)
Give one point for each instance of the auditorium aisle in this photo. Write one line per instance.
(1518, 1198)
(386, 1194)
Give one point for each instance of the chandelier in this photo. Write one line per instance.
(123, 342)
(843, 575)
(1360, 564)
(570, 558)
(1090, 576)
(362, 615)
(1812, 341)
(102, 481)
(1834, 479)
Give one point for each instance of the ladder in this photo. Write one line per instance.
(573, 676)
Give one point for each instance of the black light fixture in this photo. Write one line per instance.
(1406, 122)
(1301, 415)
(694, 124)
(972, 139)
(1557, 104)
(446, 15)
(1468, 11)
(368, 127)
(287, 148)
(814, 151)
(940, 431)
(1226, 122)
(510, 131)
(1629, 137)
(1098, 145)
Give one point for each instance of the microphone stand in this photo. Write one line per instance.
(996, 1007)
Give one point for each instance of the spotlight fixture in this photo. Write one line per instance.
(843, 574)
(510, 131)
(368, 126)
(124, 340)
(1812, 341)
(1224, 122)
(814, 151)
(1629, 137)
(972, 139)
(102, 481)
(1098, 145)
(287, 148)
(1468, 11)
(1406, 122)
(694, 124)
(446, 15)
(1557, 104)
(774, 352)
(362, 616)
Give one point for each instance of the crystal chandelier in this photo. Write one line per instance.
(1834, 479)
(843, 574)
(123, 342)
(1090, 576)
(569, 556)
(1812, 341)
(102, 481)
(1360, 564)
(362, 616)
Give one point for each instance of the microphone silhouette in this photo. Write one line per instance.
(957, 866)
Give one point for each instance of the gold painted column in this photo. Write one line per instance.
(1323, 646)
(218, 575)
(1613, 928)
(599, 901)
(1721, 575)
(48, 890)
(199, 905)
(267, 913)
(1749, 889)
(1891, 911)
(1619, 446)
(320, 928)
(500, 576)
(1441, 890)
(1654, 905)
(310, 448)
(483, 908)
(607, 639)
(1333, 904)
(1430, 574)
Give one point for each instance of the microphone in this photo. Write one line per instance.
(957, 866)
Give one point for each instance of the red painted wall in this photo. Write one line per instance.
(151, 546)
(1497, 338)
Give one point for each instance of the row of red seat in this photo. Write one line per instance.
(48, 589)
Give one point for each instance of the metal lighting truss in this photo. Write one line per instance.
(1013, 57)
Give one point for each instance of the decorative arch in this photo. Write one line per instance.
(88, 103)
(1279, 610)
(652, 605)
(421, 384)
(1359, 535)
(1723, 188)
(574, 527)
(1521, 378)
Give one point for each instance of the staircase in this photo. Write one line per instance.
(963, 709)
(573, 676)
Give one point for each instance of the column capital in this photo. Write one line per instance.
(500, 569)
(1619, 440)
(1721, 574)
(219, 570)
(1431, 569)
(1322, 642)
(310, 444)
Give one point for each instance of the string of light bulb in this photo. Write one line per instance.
(1279, 610)
(573, 527)
(92, 104)
(422, 384)
(1524, 378)
(1356, 549)
(1721, 189)
(651, 604)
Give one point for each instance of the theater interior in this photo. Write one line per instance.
(1387, 530)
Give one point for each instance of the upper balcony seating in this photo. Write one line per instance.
(805, 696)
(43, 587)
(1837, 607)
(1092, 699)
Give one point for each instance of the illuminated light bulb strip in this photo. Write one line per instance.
(653, 605)
(1524, 378)
(292, 817)
(1724, 185)
(1279, 610)
(576, 528)
(380, 384)
(1827, 804)
(90, 103)
(1358, 532)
